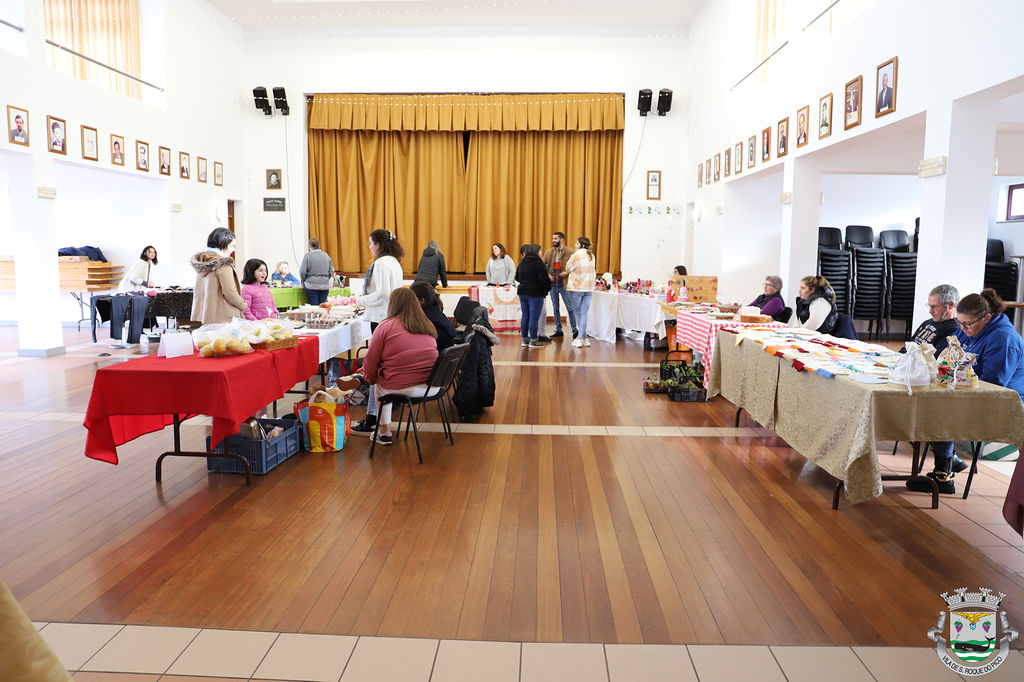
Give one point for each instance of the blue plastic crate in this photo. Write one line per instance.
(262, 455)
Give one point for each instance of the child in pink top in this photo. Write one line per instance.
(259, 302)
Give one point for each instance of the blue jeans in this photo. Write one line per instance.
(943, 450)
(580, 301)
(556, 309)
(532, 307)
(316, 296)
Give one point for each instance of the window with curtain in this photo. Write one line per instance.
(104, 30)
(466, 170)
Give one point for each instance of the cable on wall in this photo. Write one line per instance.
(635, 156)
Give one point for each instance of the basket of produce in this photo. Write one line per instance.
(277, 344)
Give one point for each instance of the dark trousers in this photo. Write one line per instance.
(316, 296)
(124, 305)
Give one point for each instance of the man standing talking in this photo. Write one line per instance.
(555, 259)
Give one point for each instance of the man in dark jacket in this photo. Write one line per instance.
(432, 266)
(942, 324)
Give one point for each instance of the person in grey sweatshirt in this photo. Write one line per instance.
(501, 269)
(316, 272)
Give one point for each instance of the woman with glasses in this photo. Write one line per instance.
(987, 332)
(770, 302)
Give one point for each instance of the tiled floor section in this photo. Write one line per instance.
(136, 653)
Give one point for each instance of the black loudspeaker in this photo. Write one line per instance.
(664, 101)
(259, 95)
(644, 103)
(281, 101)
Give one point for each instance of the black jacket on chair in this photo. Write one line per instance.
(532, 276)
(475, 387)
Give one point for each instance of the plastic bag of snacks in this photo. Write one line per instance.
(956, 366)
(219, 340)
(269, 329)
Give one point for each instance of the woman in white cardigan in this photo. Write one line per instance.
(140, 275)
(382, 277)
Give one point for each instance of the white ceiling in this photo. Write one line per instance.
(261, 15)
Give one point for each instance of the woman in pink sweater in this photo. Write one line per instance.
(259, 302)
(402, 352)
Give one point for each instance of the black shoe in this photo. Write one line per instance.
(958, 465)
(575, 333)
(543, 339)
(557, 335)
(944, 480)
(365, 427)
(381, 439)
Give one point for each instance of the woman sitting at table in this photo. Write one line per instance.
(140, 275)
(282, 277)
(259, 303)
(402, 353)
(679, 271)
(432, 308)
(771, 302)
(501, 269)
(988, 333)
(816, 305)
(217, 296)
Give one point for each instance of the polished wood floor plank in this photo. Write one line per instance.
(507, 536)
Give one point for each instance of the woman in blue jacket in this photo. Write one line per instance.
(987, 332)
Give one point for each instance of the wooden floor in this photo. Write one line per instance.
(505, 536)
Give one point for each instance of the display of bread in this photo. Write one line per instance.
(238, 336)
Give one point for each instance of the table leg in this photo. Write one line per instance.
(738, 410)
(178, 452)
(915, 467)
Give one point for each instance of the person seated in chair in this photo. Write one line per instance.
(402, 353)
(985, 331)
(942, 302)
(816, 305)
(771, 302)
(431, 304)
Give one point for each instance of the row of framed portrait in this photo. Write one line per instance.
(57, 143)
(885, 103)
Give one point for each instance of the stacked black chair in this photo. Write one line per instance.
(994, 251)
(894, 240)
(836, 266)
(830, 238)
(917, 232)
(859, 237)
(902, 280)
(999, 275)
(869, 287)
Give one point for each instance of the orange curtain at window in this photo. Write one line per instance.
(410, 183)
(105, 30)
(536, 164)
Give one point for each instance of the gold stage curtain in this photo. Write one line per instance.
(410, 183)
(508, 113)
(525, 186)
(536, 164)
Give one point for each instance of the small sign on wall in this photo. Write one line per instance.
(654, 185)
(273, 203)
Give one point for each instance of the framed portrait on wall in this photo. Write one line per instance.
(737, 156)
(90, 144)
(218, 173)
(885, 87)
(825, 116)
(165, 160)
(200, 169)
(653, 184)
(17, 124)
(56, 135)
(728, 162)
(751, 150)
(142, 155)
(117, 150)
(718, 167)
(700, 174)
(274, 178)
(782, 138)
(802, 126)
(852, 101)
(766, 144)
(184, 165)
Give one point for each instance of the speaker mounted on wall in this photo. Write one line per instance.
(664, 101)
(644, 101)
(259, 96)
(281, 101)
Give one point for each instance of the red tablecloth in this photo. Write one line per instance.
(699, 332)
(143, 395)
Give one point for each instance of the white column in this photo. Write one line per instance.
(799, 248)
(955, 206)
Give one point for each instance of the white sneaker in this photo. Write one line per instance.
(577, 343)
(586, 343)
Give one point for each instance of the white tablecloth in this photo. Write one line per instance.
(609, 310)
(502, 303)
(339, 339)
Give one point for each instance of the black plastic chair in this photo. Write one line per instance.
(1003, 277)
(844, 328)
(994, 252)
(439, 383)
(836, 266)
(869, 287)
(783, 316)
(465, 311)
(894, 240)
(902, 275)
(830, 238)
(860, 237)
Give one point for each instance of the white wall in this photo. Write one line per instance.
(121, 209)
(885, 202)
(427, 61)
(1012, 233)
